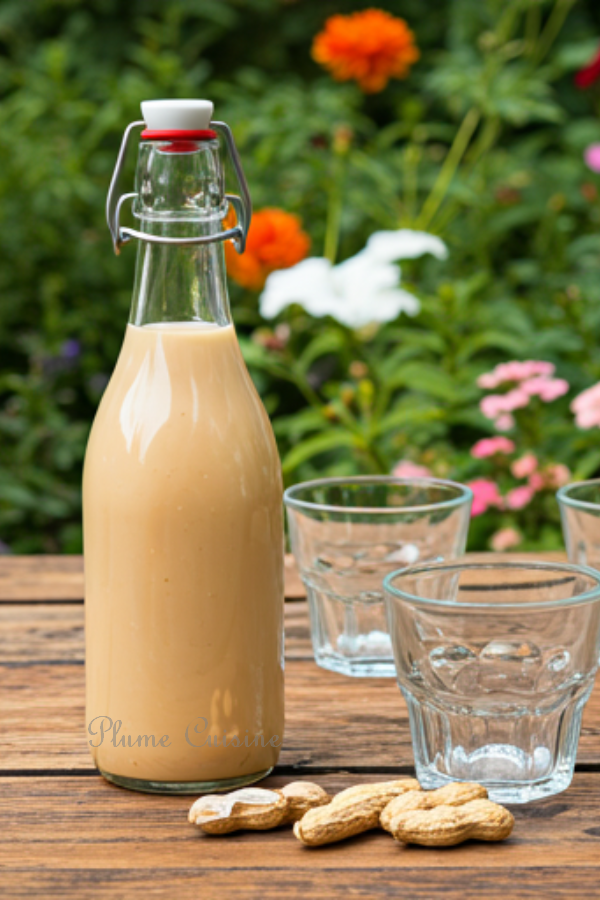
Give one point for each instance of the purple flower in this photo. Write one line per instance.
(71, 349)
(64, 360)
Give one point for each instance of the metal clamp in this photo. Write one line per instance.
(242, 205)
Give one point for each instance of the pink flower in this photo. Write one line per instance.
(524, 466)
(488, 381)
(536, 481)
(553, 389)
(490, 446)
(485, 494)
(558, 475)
(586, 407)
(592, 157)
(504, 422)
(492, 406)
(515, 399)
(407, 469)
(547, 389)
(515, 371)
(504, 539)
(519, 497)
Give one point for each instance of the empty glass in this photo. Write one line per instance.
(496, 662)
(580, 513)
(347, 534)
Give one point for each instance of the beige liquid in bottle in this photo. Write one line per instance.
(184, 564)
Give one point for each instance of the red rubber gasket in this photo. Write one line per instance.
(173, 135)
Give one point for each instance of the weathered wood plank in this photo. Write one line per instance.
(50, 578)
(53, 632)
(41, 577)
(331, 720)
(192, 882)
(35, 632)
(86, 824)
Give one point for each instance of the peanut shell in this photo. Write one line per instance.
(351, 812)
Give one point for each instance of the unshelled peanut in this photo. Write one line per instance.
(351, 812)
(446, 817)
(256, 809)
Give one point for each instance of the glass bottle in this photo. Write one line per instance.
(182, 492)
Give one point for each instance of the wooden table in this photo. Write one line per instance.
(66, 833)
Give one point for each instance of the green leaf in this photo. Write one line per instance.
(425, 378)
(401, 418)
(320, 443)
(499, 340)
(328, 341)
(298, 424)
(587, 466)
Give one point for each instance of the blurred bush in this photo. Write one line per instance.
(482, 144)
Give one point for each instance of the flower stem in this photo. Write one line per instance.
(552, 29)
(485, 140)
(532, 28)
(410, 177)
(334, 215)
(455, 154)
(381, 464)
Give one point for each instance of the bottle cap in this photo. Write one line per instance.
(177, 115)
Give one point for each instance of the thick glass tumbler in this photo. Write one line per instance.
(347, 534)
(496, 663)
(580, 513)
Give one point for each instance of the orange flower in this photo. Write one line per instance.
(275, 241)
(369, 47)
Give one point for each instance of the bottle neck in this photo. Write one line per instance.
(180, 195)
(175, 283)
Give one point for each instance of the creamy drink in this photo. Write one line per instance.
(183, 544)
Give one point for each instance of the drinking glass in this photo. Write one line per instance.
(346, 534)
(496, 662)
(580, 514)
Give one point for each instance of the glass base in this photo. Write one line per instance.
(349, 635)
(518, 758)
(356, 668)
(184, 787)
(504, 792)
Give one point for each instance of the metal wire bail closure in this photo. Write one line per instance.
(241, 204)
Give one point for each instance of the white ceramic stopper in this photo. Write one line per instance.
(177, 115)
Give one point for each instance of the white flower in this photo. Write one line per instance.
(361, 290)
(404, 244)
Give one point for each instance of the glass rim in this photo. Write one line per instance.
(538, 565)
(563, 495)
(465, 495)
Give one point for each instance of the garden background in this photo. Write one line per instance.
(485, 142)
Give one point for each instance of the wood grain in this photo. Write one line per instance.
(79, 838)
(53, 632)
(41, 578)
(331, 720)
(474, 882)
(51, 578)
(87, 824)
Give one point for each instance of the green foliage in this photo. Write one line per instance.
(482, 144)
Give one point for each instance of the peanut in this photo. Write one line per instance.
(446, 817)
(454, 794)
(255, 809)
(351, 812)
(302, 796)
